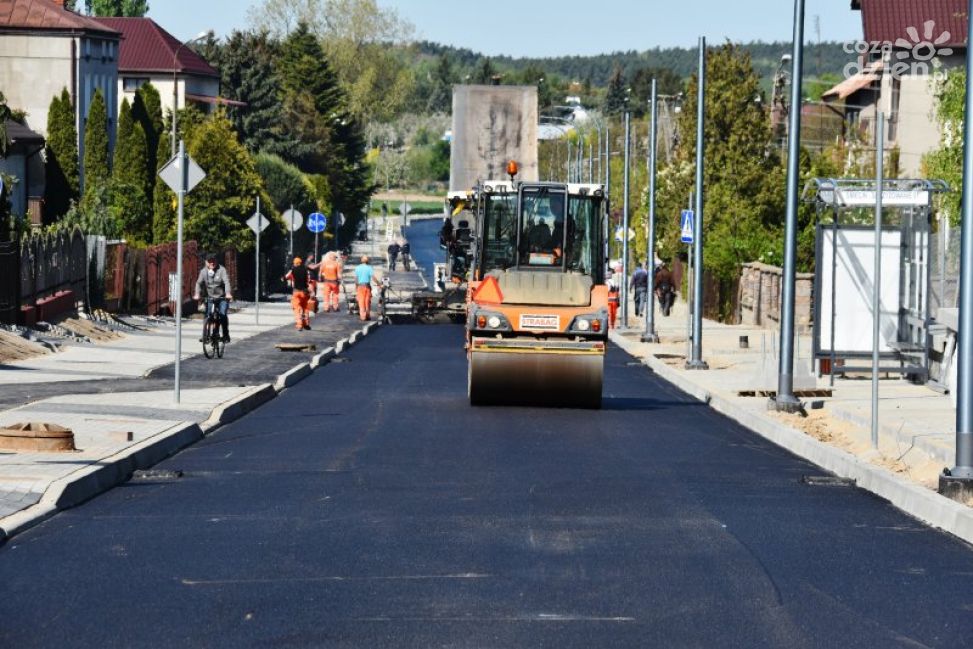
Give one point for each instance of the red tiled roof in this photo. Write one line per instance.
(46, 15)
(886, 21)
(149, 48)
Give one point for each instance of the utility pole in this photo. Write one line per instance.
(785, 401)
(957, 483)
(649, 336)
(625, 216)
(696, 362)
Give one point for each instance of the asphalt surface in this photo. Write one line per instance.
(249, 361)
(371, 506)
(423, 238)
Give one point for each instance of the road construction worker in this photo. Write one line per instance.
(299, 277)
(613, 302)
(364, 278)
(330, 275)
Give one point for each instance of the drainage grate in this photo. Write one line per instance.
(157, 474)
(827, 481)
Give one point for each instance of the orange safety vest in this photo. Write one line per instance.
(330, 271)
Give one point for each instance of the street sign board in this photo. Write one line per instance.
(686, 226)
(172, 176)
(293, 220)
(258, 222)
(317, 222)
(618, 234)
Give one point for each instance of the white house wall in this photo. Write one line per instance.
(207, 86)
(33, 69)
(37, 67)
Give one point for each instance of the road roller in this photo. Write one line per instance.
(537, 314)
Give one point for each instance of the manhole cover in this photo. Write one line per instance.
(36, 436)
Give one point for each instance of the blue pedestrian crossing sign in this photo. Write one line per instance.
(317, 222)
(686, 226)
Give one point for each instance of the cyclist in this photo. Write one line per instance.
(214, 280)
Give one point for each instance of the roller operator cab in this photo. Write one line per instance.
(537, 320)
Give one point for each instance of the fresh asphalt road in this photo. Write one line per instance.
(371, 506)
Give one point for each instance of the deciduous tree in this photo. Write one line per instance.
(129, 8)
(743, 177)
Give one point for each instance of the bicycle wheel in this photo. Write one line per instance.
(218, 344)
(209, 330)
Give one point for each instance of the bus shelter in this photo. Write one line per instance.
(844, 273)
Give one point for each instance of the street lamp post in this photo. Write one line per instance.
(175, 85)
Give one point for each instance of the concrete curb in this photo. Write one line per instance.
(293, 376)
(88, 482)
(322, 358)
(928, 506)
(236, 408)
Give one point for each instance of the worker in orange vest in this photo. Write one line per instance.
(331, 279)
(299, 277)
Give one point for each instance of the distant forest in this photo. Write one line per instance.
(824, 60)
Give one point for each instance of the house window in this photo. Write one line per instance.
(131, 84)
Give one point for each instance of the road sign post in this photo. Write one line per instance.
(181, 174)
(686, 219)
(316, 223)
(258, 224)
(293, 220)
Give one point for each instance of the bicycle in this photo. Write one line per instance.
(213, 343)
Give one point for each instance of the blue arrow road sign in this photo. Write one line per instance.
(317, 222)
(686, 226)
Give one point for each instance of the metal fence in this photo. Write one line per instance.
(9, 281)
(944, 258)
(51, 264)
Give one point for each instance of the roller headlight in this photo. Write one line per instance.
(494, 322)
(583, 325)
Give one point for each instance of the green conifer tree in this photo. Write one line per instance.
(128, 198)
(96, 167)
(61, 155)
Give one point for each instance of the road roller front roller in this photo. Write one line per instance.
(563, 374)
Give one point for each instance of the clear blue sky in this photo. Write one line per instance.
(569, 26)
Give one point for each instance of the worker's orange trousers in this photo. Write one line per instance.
(331, 297)
(299, 304)
(612, 311)
(364, 296)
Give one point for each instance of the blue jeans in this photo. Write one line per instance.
(223, 305)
